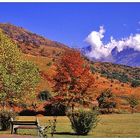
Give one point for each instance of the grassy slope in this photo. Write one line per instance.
(114, 125)
(120, 72)
(42, 63)
(101, 83)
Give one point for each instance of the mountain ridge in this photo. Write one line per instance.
(128, 56)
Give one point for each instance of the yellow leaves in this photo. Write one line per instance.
(18, 77)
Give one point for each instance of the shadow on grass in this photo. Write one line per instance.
(67, 133)
(64, 133)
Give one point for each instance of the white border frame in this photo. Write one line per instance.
(74, 1)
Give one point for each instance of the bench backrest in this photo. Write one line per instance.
(19, 122)
(24, 122)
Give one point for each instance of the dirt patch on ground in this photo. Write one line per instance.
(16, 136)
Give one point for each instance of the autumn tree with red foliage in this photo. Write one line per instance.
(73, 80)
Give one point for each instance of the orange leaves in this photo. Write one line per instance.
(73, 78)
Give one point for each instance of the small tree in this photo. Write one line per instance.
(106, 101)
(133, 102)
(73, 80)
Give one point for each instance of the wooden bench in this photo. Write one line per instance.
(18, 124)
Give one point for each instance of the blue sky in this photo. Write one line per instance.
(70, 23)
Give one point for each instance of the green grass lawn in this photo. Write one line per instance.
(114, 125)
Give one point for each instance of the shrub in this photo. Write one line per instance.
(44, 95)
(5, 119)
(106, 101)
(55, 109)
(93, 70)
(23, 105)
(51, 126)
(122, 77)
(133, 102)
(135, 83)
(28, 112)
(83, 121)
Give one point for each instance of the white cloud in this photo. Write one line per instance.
(99, 50)
(95, 40)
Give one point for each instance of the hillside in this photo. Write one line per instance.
(123, 73)
(44, 52)
(31, 43)
(120, 89)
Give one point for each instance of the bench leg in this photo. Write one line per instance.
(15, 130)
(39, 133)
(11, 129)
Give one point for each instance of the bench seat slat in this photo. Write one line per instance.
(26, 127)
(24, 124)
(24, 121)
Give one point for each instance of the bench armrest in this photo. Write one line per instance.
(38, 124)
(11, 119)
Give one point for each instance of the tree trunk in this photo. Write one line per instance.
(3, 105)
(132, 111)
(72, 108)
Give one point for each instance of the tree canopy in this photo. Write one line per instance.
(18, 77)
(73, 79)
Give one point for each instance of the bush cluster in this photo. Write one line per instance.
(55, 110)
(29, 112)
(122, 77)
(135, 83)
(83, 121)
(5, 116)
(44, 95)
